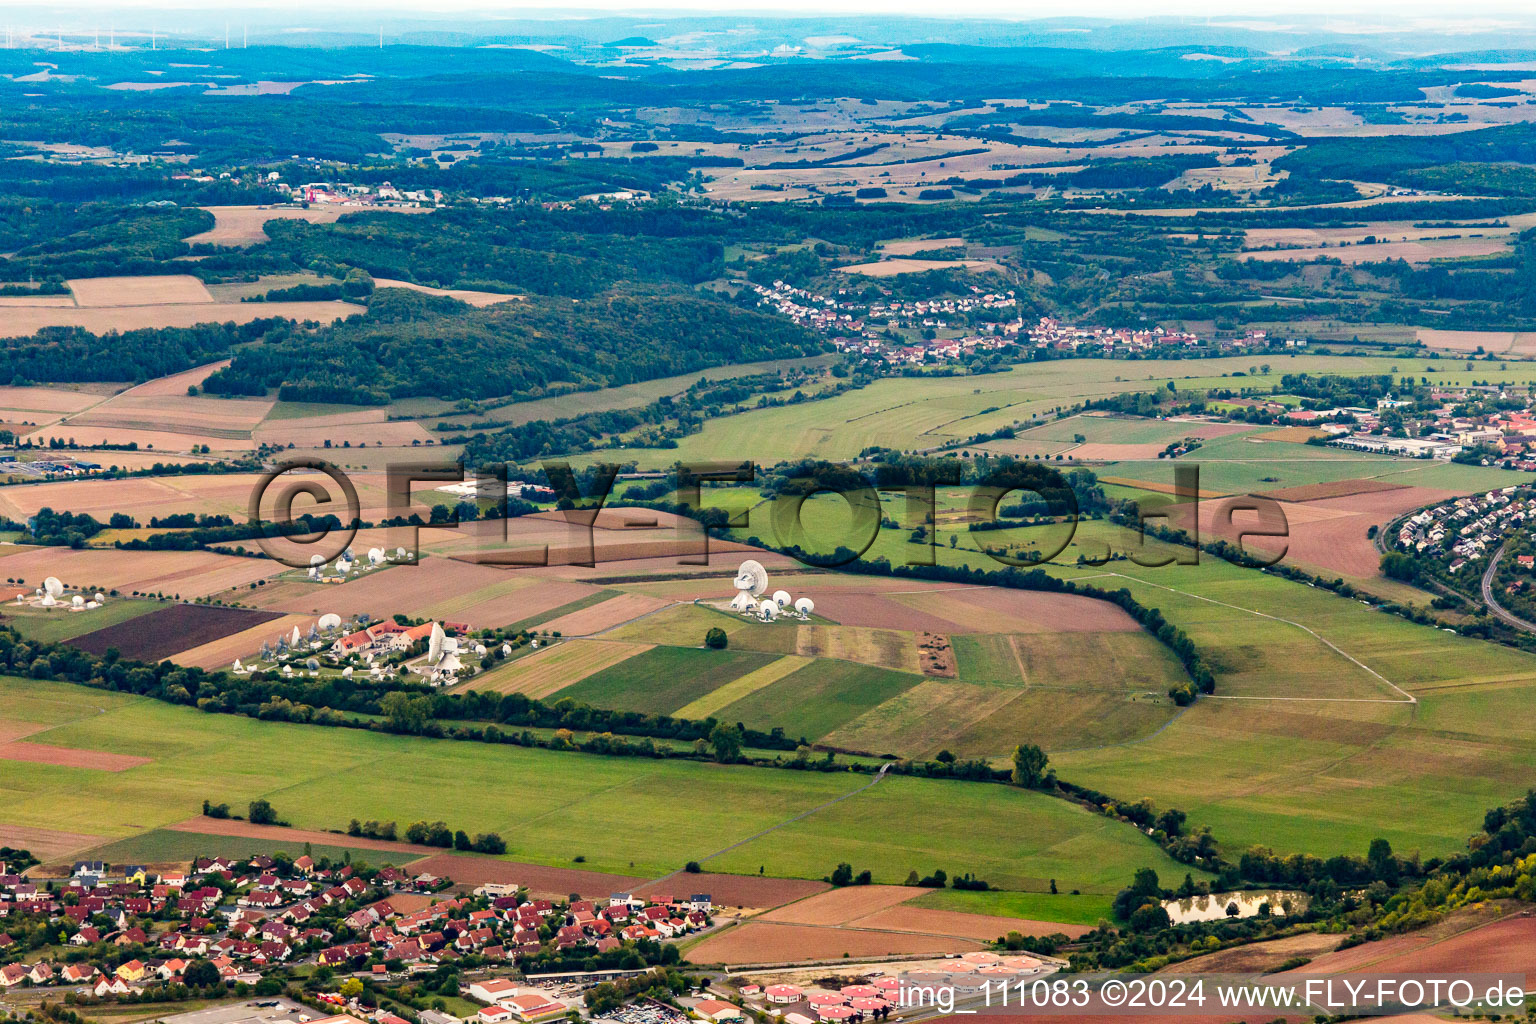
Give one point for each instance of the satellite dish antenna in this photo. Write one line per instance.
(346, 673)
(768, 611)
(805, 606)
(781, 598)
(49, 601)
(100, 598)
(316, 559)
(375, 556)
(313, 665)
(330, 621)
(53, 586)
(435, 644)
(399, 552)
(752, 577)
(77, 601)
(293, 639)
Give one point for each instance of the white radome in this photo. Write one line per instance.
(752, 577)
(805, 606)
(53, 586)
(781, 598)
(329, 621)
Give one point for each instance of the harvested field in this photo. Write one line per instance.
(540, 879)
(44, 400)
(430, 583)
(242, 225)
(245, 644)
(981, 927)
(759, 942)
(466, 295)
(553, 669)
(842, 906)
(1335, 489)
(877, 609)
(371, 426)
(138, 291)
(743, 891)
(610, 614)
(1258, 957)
(186, 573)
(886, 648)
(908, 246)
(175, 385)
(818, 699)
(11, 730)
(169, 630)
(1505, 945)
(1496, 342)
(1412, 251)
(1158, 486)
(1101, 452)
(219, 418)
(1000, 610)
(25, 321)
(891, 268)
(68, 757)
(45, 843)
(276, 833)
(1295, 435)
(1329, 533)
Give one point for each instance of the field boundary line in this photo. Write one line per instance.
(1410, 698)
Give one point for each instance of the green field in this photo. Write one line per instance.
(663, 679)
(1032, 906)
(58, 624)
(901, 414)
(818, 698)
(552, 807)
(168, 845)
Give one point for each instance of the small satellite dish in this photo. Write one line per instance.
(100, 598)
(752, 577)
(77, 601)
(375, 556)
(316, 559)
(506, 650)
(346, 673)
(781, 598)
(312, 664)
(768, 611)
(399, 552)
(53, 586)
(805, 606)
(479, 648)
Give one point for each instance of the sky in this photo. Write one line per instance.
(1380, 11)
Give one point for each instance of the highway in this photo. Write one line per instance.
(1493, 605)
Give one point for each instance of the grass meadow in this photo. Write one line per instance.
(630, 815)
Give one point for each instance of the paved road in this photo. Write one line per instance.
(1493, 604)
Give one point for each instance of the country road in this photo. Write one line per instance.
(1493, 605)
